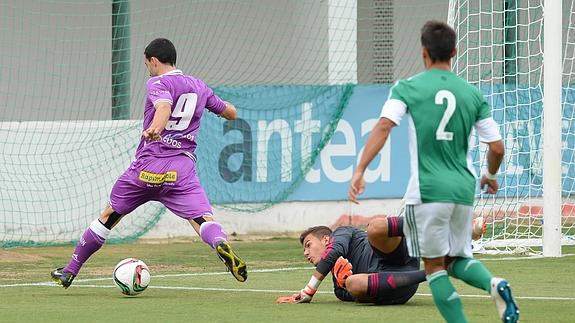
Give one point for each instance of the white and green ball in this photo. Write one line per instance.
(132, 276)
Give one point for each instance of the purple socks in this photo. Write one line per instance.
(96, 234)
(92, 240)
(211, 233)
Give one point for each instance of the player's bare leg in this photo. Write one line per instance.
(357, 286)
(385, 233)
(213, 235)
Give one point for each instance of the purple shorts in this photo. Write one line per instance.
(171, 181)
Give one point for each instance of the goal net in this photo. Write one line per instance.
(500, 50)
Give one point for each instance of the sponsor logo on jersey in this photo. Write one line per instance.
(153, 178)
(174, 139)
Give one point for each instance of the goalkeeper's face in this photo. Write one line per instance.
(313, 248)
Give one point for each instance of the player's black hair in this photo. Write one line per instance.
(163, 50)
(318, 232)
(439, 39)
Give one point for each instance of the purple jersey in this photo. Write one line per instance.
(189, 97)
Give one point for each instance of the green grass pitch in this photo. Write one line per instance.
(189, 284)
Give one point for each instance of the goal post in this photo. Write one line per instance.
(552, 116)
(120, 59)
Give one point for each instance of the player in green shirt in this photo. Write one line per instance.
(441, 110)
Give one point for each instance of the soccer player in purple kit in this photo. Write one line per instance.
(165, 166)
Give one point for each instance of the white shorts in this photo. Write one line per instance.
(435, 230)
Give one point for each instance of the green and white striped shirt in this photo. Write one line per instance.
(442, 109)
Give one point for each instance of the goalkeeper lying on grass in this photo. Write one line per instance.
(367, 267)
(371, 267)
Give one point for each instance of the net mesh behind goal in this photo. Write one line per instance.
(500, 50)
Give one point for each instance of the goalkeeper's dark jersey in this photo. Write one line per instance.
(352, 244)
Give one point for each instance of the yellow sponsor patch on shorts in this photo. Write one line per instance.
(158, 178)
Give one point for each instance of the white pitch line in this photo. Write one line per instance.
(79, 281)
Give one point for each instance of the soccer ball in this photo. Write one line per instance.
(132, 276)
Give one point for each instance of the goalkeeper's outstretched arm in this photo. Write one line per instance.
(341, 271)
(306, 294)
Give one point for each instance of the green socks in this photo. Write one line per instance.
(446, 298)
(471, 271)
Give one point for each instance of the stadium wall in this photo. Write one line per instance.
(288, 217)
